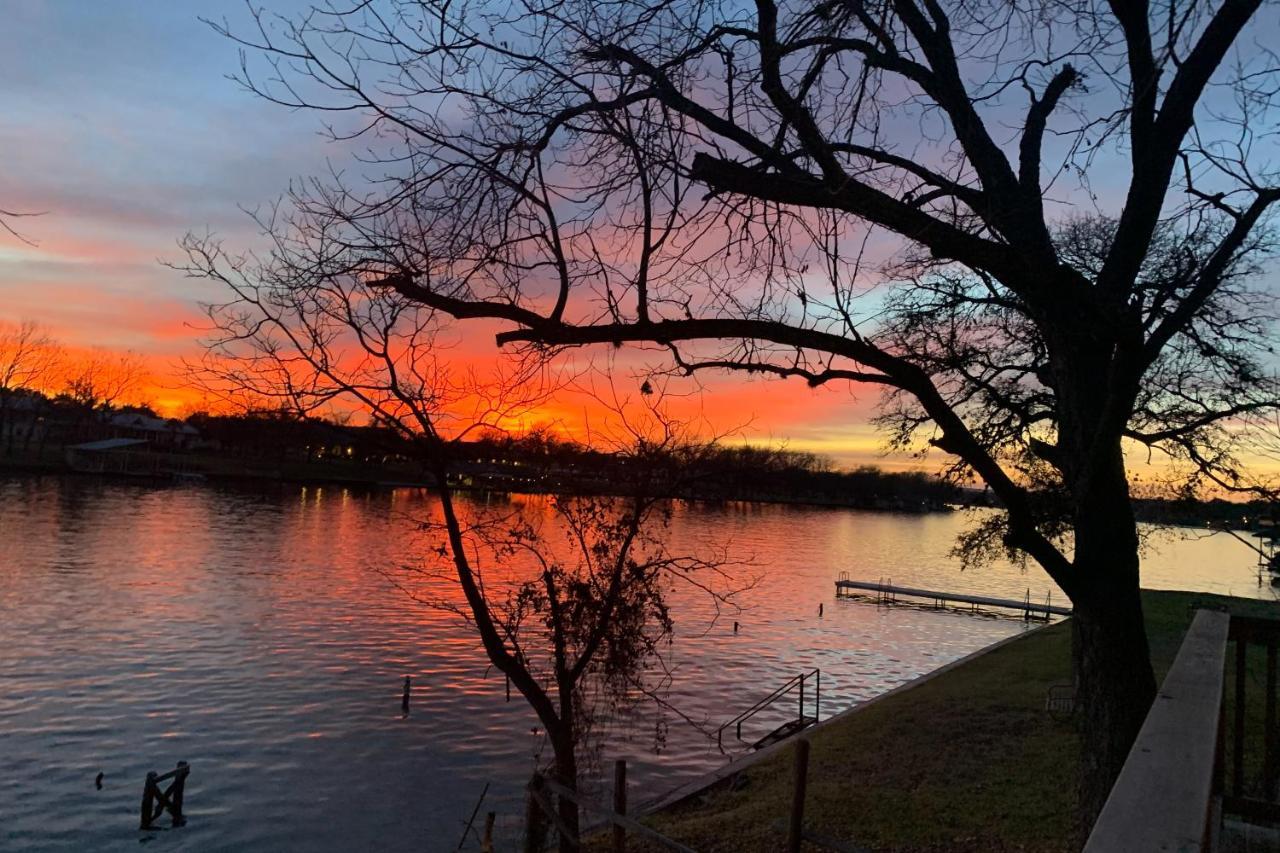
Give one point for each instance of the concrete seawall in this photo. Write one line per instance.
(691, 789)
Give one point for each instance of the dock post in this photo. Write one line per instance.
(795, 832)
(179, 786)
(486, 841)
(404, 700)
(619, 804)
(148, 800)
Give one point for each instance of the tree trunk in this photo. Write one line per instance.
(1115, 687)
(1115, 684)
(567, 775)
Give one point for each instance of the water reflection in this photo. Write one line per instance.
(252, 634)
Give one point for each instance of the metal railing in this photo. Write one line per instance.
(792, 684)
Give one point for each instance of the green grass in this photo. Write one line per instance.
(966, 761)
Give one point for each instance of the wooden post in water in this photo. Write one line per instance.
(795, 831)
(175, 793)
(486, 841)
(404, 700)
(170, 800)
(148, 800)
(619, 804)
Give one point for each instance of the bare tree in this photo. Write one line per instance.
(101, 379)
(574, 612)
(29, 358)
(1067, 203)
(572, 606)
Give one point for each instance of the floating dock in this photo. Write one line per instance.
(887, 593)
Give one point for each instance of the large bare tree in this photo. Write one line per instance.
(1038, 225)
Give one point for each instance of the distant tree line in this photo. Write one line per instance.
(50, 393)
(543, 461)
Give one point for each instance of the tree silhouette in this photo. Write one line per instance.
(29, 360)
(1036, 225)
(573, 612)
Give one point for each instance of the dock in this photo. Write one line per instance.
(887, 593)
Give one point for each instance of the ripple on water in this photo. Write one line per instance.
(251, 634)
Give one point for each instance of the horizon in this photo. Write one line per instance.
(138, 138)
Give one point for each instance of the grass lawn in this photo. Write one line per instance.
(967, 761)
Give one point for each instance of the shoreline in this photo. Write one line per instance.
(15, 469)
(694, 788)
(966, 758)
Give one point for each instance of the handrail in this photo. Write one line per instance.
(770, 699)
(1163, 798)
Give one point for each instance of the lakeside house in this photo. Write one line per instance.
(23, 420)
(169, 433)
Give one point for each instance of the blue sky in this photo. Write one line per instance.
(119, 123)
(121, 127)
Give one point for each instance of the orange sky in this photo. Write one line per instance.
(113, 293)
(135, 137)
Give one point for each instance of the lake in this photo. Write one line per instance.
(255, 633)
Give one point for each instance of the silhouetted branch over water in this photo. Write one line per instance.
(1037, 232)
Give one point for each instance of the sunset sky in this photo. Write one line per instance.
(128, 134)
(132, 135)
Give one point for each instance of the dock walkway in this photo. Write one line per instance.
(888, 593)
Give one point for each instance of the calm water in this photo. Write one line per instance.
(255, 635)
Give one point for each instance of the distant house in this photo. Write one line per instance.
(167, 433)
(23, 420)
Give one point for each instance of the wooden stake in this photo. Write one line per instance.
(179, 786)
(795, 832)
(148, 800)
(619, 804)
(486, 842)
(533, 817)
